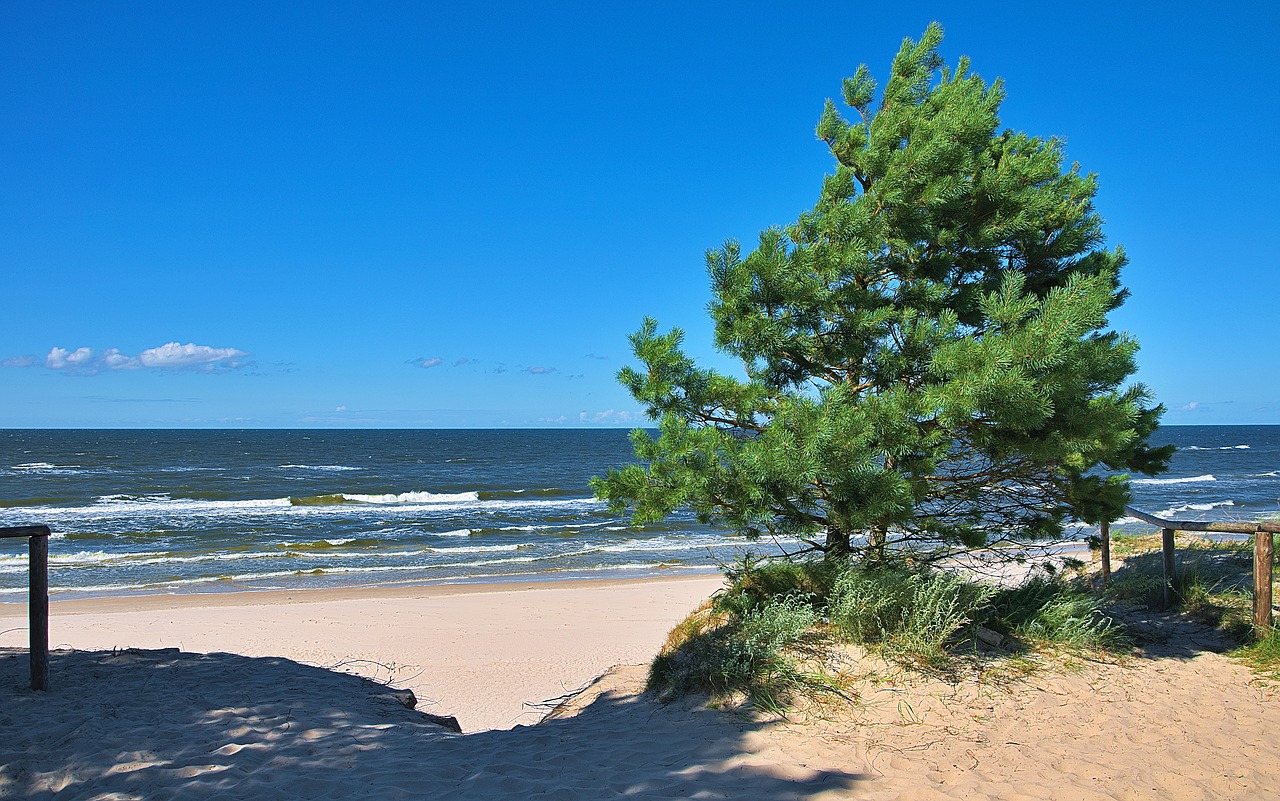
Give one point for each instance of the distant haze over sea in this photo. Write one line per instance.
(208, 510)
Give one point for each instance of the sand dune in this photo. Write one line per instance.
(1177, 720)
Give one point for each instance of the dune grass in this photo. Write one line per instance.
(767, 636)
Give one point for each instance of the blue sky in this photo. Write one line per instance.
(330, 214)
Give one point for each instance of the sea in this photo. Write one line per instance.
(180, 511)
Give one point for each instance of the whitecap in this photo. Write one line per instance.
(93, 558)
(1190, 480)
(474, 549)
(46, 469)
(331, 468)
(1194, 507)
(461, 532)
(1217, 448)
(414, 497)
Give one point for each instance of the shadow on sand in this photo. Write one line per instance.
(164, 725)
(1221, 581)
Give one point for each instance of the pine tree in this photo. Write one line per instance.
(926, 353)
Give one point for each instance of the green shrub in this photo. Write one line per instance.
(866, 606)
(940, 606)
(753, 584)
(755, 635)
(720, 654)
(913, 616)
(1047, 612)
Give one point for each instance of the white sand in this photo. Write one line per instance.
(1176, 721)
(485, 653)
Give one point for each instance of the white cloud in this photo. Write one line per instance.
(610, 416)
(172, 356)
(18, 361)
(540, 370)
(113, 359)
(175, 357)
(1191, 407)
(63, 359)
(341, 409)
(424, 362)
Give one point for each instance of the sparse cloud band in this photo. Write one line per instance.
(172, 356)
(610, 416)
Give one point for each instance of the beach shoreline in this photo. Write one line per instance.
(72, 601)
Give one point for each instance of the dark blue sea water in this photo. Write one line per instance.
(174, 511)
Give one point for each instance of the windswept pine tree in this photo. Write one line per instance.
(926, 353)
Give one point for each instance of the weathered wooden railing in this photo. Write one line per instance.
(38, 599)
(1263, 556)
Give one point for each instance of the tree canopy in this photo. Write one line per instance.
(926, 353)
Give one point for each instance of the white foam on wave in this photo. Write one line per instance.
(82, 558)
(475, 549)
(163, 503)
(46, 469)
(1191, 480)
(1272, 474)
(556, 526)
(663, 544)
(1194, 507)
(328, 468)
(1221, 448)
(393, 504)
(156, 498)
(414, 497)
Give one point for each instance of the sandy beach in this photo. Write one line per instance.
(292, 695)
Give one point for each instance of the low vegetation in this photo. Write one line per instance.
(1213, 584)
(770, 634)
(774, 633)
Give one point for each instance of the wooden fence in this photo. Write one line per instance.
(38, 603)
(1263, 557)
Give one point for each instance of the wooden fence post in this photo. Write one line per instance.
(37, 598)
(38, 611)
(1262, 531)
(1263, 555)
(1104, 534)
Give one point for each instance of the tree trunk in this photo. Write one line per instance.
(838, 547)
(876, 541)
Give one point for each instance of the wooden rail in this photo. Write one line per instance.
(38, 599)
(1263, 556)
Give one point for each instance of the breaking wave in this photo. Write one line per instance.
(1192, 480)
